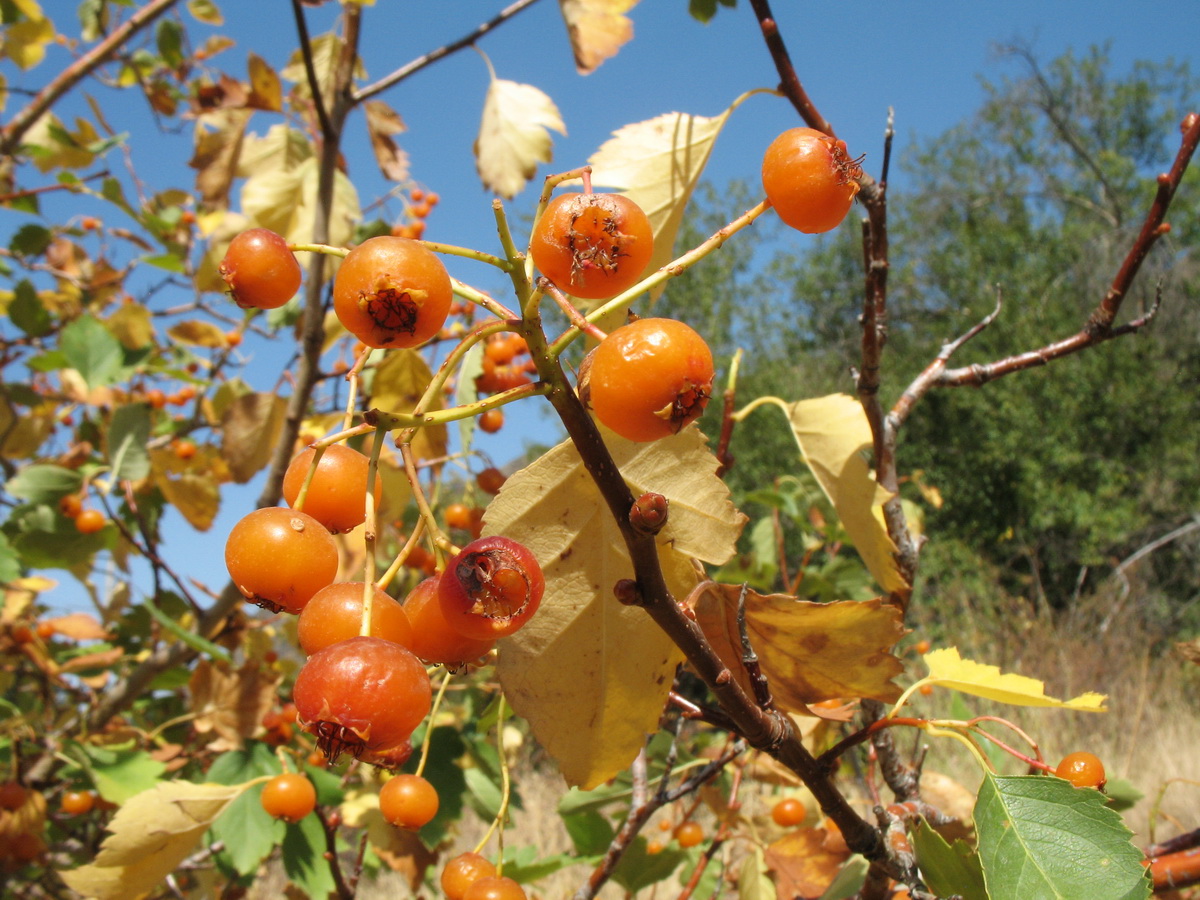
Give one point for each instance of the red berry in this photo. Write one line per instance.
(491, 588)
(362, 694)
(12, 795)
(810, 179)
(408, 801)
(289, 796)
(392, 292)
(592, 245)
(279, 558)
(434, 640)
(335, 614)
(650, 378)
(490, 480)
(463, 871)
(260, 270)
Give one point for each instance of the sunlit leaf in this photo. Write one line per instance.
(150, 835)
(92, 350)
(514, 136)
(195, 494)
(133, 326)
(25, 40)
(399, 382)
(78, 626)
(325, 51)
(754, 881)
(250, 429)
(804, 862)
(217, 143)
(198, 333)
(948, 669)
(590, 675)
(128, 437)
(206, 11)
(597, 29)
(808, 651)
(265, 90)
(834, 438)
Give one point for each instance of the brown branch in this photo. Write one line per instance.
(310, 72)
(789, 82)
(416, 65)
(11, 134)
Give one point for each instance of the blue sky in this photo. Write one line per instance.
(923, 58)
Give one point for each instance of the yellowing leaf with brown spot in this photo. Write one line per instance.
(382, 123)
(265, 90)
(514, 136)
(250, 429)
(948, 669)
(657, 164)
(591, 676)
(197, 333)
(150, 835)
(834, 439)
(399, 382)
(808, 651)
(597, 29)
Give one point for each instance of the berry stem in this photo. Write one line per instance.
(354, 377)
(318, 452)
(405, 552)
(437, 702)
(441, 543)
(370, 530)
(574, 315)
(320, 248)
(467, 253)
(505, 792)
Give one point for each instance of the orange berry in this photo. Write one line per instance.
(1082, 769)
(89, 521)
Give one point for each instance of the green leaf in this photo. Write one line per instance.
(10, 563)
(205, 11)
(484, 792)
(527, 864)
(120, 774)
(128, 436)
(754, 881)
(1122, 794)
(248, 831)
(30, 240)
(590, 832)
(849, 881)
(639, 869)
(304, 857)
(27, 310)
(948, 869)
(443, 772)
(168, 261)
(92, 350)
(170, 42)
(465, 392)
(1041, 837)
(44, 483)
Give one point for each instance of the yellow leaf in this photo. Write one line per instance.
(194, 492)
(590, 675)
(597, 28)
(513, 136)
(79, 626)
(206, 11)
(197, 333)
(657, 164)
(808, 651)
(250, 429)
(22, 438)
(286, 200)
(24, 42)
(217, 144)
(265, 90)
(834, 438)
(326, 51)
(398, 384)
(948, 669)
(151, 834)
(58, 147)
(382, 123)
(132, 326)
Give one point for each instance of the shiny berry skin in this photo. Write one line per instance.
(70, 505)
(335, 614)
(392, 292)
(457, 515)
(491, 588)
(495, 887)
(592, 245)
(77, 803)
(260, 270)
(279, 558)
(338, 491)
(289, 797)
(650, 378)
(1082, 769)
(689, 833)
(491, 421)
(362, 694)
(463, 871)
(433, 639)
(490, 480)
(788, 812)
(810, 179)
(89, 521)
(408, 801)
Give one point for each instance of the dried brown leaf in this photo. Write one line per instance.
(382, 123)
(803, 864)
(250, 429)
(79, 626)
(231, 703)
(597, 29)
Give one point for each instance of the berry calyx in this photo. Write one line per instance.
(362, 694)
(392, 292)
(434, 640)
(593, 246)
(810, 179)
(1082, 769)
(279, 558)
(335, 614)
(491, 588)
(289, 797)
(260, 270)
(408, 801)
(463, 871)
(650, 378)
(337, 493)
